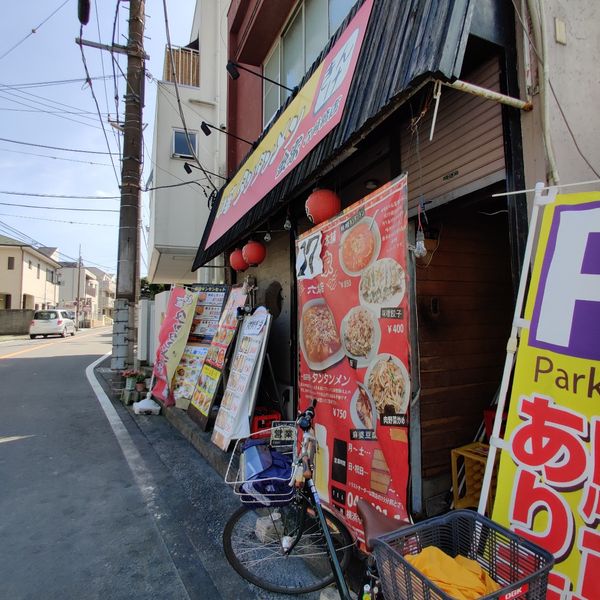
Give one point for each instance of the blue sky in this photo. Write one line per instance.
(64, 115)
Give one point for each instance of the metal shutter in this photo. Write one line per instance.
(467, 150)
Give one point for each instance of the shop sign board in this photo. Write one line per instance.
(211, 298)
(214, 361)
(172, 339)
(310, 116)
(548, 486)
(354, 351)
(237, 405)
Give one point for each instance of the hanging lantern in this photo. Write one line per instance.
(322, 205)
(254, 253)
(236, 260)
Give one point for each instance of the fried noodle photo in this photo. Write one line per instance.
(321, 338)
(382, 280)
(359, 332)
(387, 386)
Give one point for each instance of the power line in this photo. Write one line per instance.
(59, 220)
(37, 195)
(37, 84)
(90, 83)
(56, 147)
(58, 207)
(33, 30)
(85, 162)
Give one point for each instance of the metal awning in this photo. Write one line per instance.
(406, 45)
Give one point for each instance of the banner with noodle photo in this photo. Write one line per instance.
(354, 351)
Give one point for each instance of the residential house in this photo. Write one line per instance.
(187, 165)
(28, 276)
(79, 289)
(453, 94)
(106, 292)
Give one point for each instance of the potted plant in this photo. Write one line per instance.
(140, 382)
(131, 376)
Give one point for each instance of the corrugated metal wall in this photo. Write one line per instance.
(467, 150)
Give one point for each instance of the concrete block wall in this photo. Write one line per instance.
(15, 321)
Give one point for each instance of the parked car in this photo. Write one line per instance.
(51, 322)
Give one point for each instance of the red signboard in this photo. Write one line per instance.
(312, 114)
(354, 351)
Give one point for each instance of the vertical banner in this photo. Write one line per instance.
(237, 405)
(204, 327)
(214, 361)
(172, 338)
(354, 351)
(549, 479)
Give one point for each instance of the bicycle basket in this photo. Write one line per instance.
(519, 566)
(260, 470)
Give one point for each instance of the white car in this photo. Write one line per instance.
(51, 322)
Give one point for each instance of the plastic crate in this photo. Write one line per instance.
(519, 566)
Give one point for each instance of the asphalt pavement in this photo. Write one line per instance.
(94, 501)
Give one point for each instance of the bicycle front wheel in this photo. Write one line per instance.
(254, 539)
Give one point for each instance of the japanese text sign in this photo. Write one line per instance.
(354, 352)
(311, 115)
(549, 478)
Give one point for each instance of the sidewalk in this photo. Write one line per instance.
(177, 417)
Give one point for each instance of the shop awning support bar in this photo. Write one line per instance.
(476, 90)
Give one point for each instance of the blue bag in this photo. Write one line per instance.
(266, 475)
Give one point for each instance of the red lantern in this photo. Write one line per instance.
(322, 205)
(254, 253)
(236, 260)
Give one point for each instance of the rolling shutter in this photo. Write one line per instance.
(467, 150)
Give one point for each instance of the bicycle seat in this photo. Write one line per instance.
(376, 524)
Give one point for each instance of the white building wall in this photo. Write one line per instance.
(178, 214)
(572, 69)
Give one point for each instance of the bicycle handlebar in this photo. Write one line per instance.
(305, 418)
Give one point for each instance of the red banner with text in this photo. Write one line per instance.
(354, 351)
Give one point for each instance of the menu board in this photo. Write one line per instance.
(204, 326)
(354, 351)
(214, 361)
(233, 419)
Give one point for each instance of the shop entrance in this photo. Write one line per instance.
(465, 304)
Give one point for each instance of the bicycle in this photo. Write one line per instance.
(281, 535)
(281, 538)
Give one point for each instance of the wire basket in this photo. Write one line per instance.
(520, 567)
(260, 467)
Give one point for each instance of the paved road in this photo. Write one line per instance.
(95, 503)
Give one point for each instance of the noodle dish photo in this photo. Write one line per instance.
(388, 382)
(361, 335)
(319, 337)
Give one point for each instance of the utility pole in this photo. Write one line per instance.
(128, 268)
(78, 294)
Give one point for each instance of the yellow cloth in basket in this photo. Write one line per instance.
(459, 577)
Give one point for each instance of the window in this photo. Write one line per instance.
(11, 263)
(299, 45)
(30, 265)
(38, 270)
(49, 275)
(181, 147)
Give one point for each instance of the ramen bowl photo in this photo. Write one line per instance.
(359, 246)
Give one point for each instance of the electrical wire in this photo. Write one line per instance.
(90, 83)
(114, 61)
(33, 30)
(85, 162)
(59, 207)
(59, 220)
(55, 147)
(20, 236)
(38, 84)
(37, 195)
